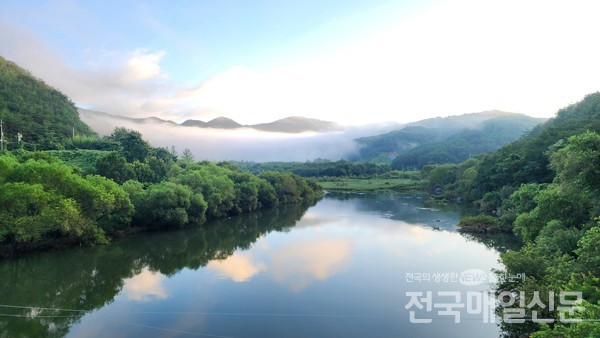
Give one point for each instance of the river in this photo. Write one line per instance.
(353, 265)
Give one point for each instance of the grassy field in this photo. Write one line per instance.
(371, 184)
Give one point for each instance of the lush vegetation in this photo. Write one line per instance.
(41, 114)
(91, 195)
(545, 188)
(83, 189)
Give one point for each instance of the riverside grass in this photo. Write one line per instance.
(370, 184)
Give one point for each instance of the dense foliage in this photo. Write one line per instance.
(61, 198)
(545, 188)
(561, 228)
(41, 114)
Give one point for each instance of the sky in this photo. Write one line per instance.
(349, 61)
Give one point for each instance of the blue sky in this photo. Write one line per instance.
(348, 61)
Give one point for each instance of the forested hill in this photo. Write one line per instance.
(545, 188)
(445, 140)
(41, 114)
(492, 178)
(526, 160)
(487, 136)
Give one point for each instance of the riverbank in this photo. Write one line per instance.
(370, 184)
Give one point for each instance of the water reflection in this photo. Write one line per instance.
(68, 284)
(409, 208)
(301, 263)
(296, 264)
(239, 267)
(338, 269)
(145, 286)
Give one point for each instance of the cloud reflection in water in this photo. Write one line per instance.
(145, 286)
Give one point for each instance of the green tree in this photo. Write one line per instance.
(588, 251)
(131, 144)
(115, 167)
(31, 216)
(441, 175)
(165, 205)
(187, 156)
(578, 163)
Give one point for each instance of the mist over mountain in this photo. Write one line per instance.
(453, 138)
(451, 124)
(218, 140)
(220, 122)
(292, 124)
(449, 139)
(298, 124)
(44, 117)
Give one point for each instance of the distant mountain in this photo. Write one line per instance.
(489, 136)
(220, 122)
(293, 124)
(297, 124)
(194, 123)
(44, 116)
(441, 140)
(104, 123)
(452, 124)
(223, 123)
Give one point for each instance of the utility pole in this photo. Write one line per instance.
(1, 135)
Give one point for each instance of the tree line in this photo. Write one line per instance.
(319, 168)
(49, 202)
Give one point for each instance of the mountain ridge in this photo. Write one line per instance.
(291, 124)
(472, 127)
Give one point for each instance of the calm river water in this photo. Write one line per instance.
(353, 265)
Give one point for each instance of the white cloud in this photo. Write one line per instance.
(127, 83)
(143, 65)
(458, 57)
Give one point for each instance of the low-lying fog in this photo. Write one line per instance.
(243, 144)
